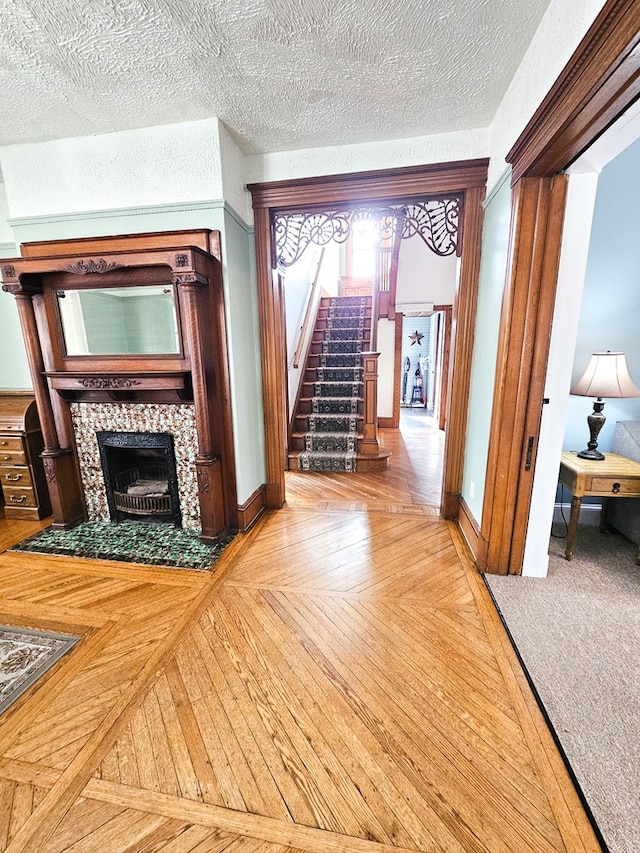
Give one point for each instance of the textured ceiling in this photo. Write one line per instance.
(280, 74)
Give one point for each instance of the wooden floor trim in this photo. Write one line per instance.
(251, 509)
(253, 826)
(573, 822)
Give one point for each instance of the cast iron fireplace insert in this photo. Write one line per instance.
(140, 476)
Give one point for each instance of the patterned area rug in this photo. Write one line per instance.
(25, 656)
(129, 542)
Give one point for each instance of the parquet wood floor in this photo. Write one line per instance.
(340, 684)
(411, 484)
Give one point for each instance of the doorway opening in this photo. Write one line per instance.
(464, 180)
(347, 280)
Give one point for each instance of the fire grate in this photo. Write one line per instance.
(143, 491)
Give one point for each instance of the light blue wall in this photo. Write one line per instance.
(493, 264)
(611, 299)
(243, 332)
(14, 369)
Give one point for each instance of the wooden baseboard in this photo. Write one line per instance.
(471, 532)
(251, 509)
(451, 505)
(387, 423)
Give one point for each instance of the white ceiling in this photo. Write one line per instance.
(281, 74)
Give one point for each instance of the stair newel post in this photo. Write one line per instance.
(208, 462)
(369, 445)
(59, 464)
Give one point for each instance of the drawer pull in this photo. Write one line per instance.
(6, 458)
(15, 499)
(13, 477)
(615, 488)
(4, 443)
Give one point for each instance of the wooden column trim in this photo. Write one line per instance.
(26, 315)
(397, 358)
(523, 346)
(59, 464)
(462, 334)
(272, 337)
(446, 354)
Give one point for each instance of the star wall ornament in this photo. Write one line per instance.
(416, 337)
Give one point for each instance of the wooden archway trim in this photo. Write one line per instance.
(600, 81)
(467, 179)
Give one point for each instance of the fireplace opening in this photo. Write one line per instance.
(140, 476)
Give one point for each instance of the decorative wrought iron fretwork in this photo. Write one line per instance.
(435, 221)
(91, 266)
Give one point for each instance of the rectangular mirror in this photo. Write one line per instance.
(119, 320)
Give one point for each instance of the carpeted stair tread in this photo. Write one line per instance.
(335, 405)
(348, 333)
(331, 347)
(331, 442)
(340, 359)
(332, 423)
(337, 389)
(339, 374)
(334, 394)
(326, 461)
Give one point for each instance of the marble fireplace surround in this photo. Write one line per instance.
(177, 419)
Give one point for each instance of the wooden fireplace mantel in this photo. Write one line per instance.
(183, 263)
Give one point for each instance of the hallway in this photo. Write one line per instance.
(412, 482)
(340, 684)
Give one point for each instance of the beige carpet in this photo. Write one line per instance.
(578, 634)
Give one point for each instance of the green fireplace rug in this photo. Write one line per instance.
(129, 542)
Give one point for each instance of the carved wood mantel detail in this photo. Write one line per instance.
(85, 267)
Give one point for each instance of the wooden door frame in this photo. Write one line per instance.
(466, 179)
(444, 367)
(600, 81)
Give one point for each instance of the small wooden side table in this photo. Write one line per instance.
(614, 476)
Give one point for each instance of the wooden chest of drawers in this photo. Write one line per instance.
(22, 479)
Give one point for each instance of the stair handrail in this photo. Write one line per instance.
(393, 273)
(375, 302)
(302, 332)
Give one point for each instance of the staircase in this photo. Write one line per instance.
(327, 427)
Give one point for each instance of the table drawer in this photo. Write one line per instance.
(15, 477)
(19, 496)
(10, 442)
(615, 485)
